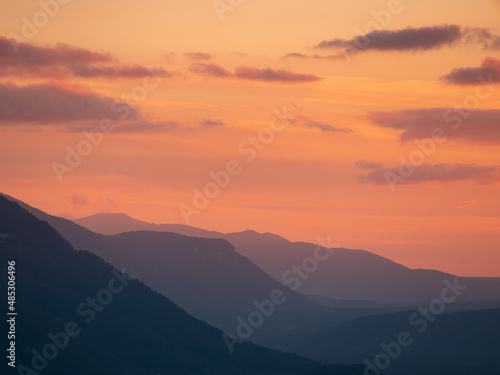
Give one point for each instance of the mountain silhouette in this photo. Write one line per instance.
(345, 275)
(115, 223)
(127, 328)
(205, 276)
(450, 344)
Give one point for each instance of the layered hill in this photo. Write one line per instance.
(112, 323)
(345, 275)
(449, 344)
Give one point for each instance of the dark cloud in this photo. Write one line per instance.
(423, 38)
(296, 55)
(210, 70)
(132, 71)
(47, 103)
(63, 61)
(324, 127)
(414, 39)
(364, 164)
(146, 127)
(270, 75)
(479, 174)
(480, 126)
(30, 55)
(208, 122)
(489, 69)
(198, 56)
(248, 73)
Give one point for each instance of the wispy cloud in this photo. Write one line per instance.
(254, 74)
(324, 127)
(131, 71)
(147, 127)
(198, 56)
(466, 204)
(365, 164)
(297, 55)
(209, 123)
(482, 126)
(479, 174)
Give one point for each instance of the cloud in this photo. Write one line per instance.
(64, 61)
(210, 70)
(208, 122)
(85, 202)
(146, 127)
(466, 204)
(60, 54)
(364, 164)
(270, 75)
(478, 126)
(48, 103)
(414, 39)
(479, 174)
(296, 55)
(132, 71)
(47, 61)
(304, 122)
(489, 69)
(79, 199)
(254, 74)
(481, 36)
(198, 56)
(324, 127)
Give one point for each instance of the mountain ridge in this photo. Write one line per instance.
(349, 274)
(137, 332)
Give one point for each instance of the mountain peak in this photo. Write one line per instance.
(115, 215)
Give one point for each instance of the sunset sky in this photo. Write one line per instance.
(183, 85)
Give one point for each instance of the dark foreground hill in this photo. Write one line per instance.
(464, 343)
(111, 323)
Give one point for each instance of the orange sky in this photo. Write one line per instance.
(304, 184)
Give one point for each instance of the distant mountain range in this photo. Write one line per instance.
(78, 315)
(345, 275)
